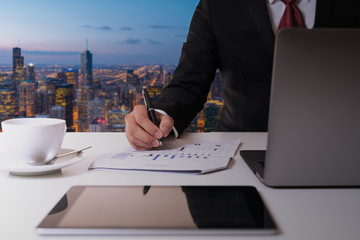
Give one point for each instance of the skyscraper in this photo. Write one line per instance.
(116, 120)
(19, 70)
(86, 68)
(211, 113)
(97, 125)
(72, 77)
(161, 76)
(31, 72)
(64, 98)
(96, 109)
(57, 112)
(16, 56)
(27, 99)
(42, 102)
(126, 94)
(85, 91)
(155, 91)
(7, 104)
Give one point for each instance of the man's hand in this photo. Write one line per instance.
(141, 133)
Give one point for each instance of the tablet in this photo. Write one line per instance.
(159, 210)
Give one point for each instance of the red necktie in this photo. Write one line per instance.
(292, 16)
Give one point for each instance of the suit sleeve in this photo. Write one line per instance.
(187, 92)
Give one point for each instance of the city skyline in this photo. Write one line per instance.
(91, 74)
(95, 100)
(118, 31)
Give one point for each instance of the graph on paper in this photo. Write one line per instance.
(194, 151)
(175, 155)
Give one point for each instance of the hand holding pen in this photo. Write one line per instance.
(151, 110)
(141, 132)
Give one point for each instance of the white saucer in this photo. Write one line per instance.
(24, 169)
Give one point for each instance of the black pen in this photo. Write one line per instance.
(150, 109)
(146, 190)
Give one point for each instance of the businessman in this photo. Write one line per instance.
(237, 37)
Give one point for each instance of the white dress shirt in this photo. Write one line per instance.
(276, 9)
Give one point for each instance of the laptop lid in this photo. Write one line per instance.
(314, 119)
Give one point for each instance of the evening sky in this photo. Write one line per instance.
(118, 31)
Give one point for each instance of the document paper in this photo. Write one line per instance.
(176, 155)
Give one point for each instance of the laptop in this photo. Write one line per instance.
(314, 119)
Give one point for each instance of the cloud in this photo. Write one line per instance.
(50, 53)
(153, 42)
(164, 27)
(134, 41)
(126, 29)
(103, 28)
(130, 41)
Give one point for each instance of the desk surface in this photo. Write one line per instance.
(300, 213)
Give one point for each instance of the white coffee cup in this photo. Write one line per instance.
(34, 141)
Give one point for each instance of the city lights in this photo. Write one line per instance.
(90, 98)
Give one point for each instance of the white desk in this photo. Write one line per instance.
(300, 213)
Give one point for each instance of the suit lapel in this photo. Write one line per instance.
(260, 17)
(323, 13)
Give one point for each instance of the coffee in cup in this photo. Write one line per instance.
(34, 141)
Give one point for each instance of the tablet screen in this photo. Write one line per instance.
(159, 210)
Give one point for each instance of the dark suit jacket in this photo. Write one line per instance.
(236, 37)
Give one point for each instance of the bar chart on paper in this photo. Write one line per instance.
(176, 155)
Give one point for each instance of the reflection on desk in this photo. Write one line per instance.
(159, 209)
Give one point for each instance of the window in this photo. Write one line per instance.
(85, 61)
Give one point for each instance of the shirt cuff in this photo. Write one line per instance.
(173, 128)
